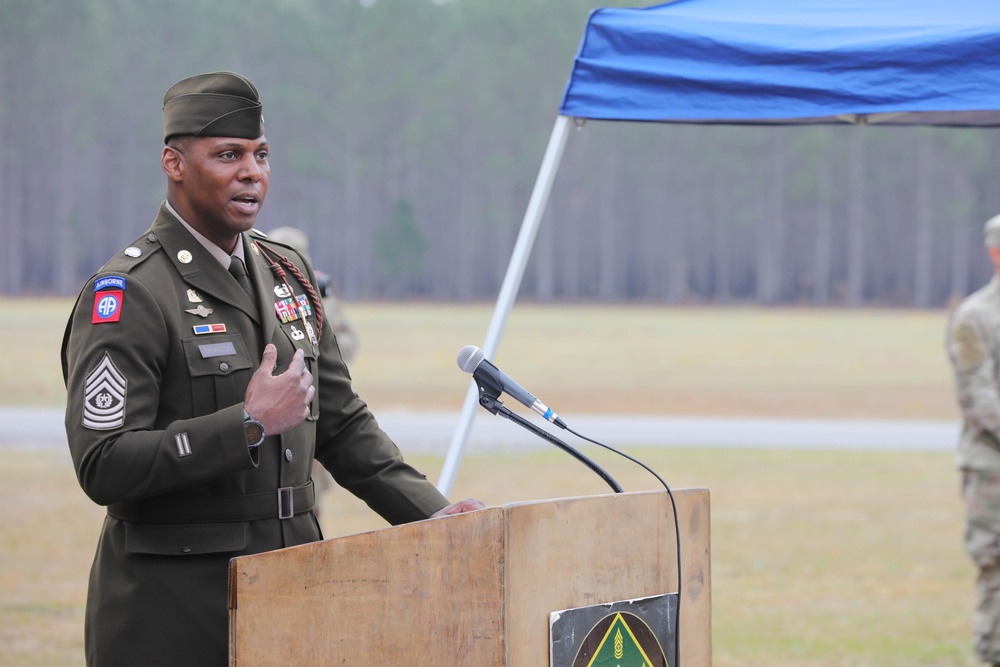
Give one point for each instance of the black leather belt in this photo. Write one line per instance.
(284, 503)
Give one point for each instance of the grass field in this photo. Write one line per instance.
(819, 559)
(587, 359)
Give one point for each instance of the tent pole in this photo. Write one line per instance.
(508, 290)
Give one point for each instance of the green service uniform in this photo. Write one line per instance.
(157, 357)
(974, 350)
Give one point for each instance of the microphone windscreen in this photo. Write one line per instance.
(469, 358)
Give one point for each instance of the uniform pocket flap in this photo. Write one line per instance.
(185, 539)
(216, 355)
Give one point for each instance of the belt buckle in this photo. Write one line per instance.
(286, 503)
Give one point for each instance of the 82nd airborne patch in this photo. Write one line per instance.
(109, 294)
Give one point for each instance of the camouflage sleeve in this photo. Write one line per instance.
(975, 367)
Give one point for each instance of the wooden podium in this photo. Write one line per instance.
(471, 590)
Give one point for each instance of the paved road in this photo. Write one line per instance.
(42, 428)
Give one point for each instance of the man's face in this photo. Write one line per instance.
(223, 184)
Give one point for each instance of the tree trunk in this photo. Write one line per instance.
(822, 271)
(923, 270)
(856, 194)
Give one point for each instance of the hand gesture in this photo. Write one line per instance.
(280, 402)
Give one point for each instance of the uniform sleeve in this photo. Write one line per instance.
(974, 363)
(113, 367)
(361, 457)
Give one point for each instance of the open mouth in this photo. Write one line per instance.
(247, 202)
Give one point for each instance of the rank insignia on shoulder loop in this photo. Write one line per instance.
(209, 328)
(132, 251)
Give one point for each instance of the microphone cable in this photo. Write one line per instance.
(677, 531)
(492, 382)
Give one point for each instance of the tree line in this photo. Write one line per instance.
(406, 136)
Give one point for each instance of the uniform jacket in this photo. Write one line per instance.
(157, 356)
(974, 350)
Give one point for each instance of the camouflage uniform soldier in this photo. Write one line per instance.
(974, 349)
(336, 319)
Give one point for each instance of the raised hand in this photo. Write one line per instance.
(279, 402)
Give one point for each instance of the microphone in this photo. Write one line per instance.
(492, 381)
(472, 360)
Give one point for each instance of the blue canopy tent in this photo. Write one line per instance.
(894, 62)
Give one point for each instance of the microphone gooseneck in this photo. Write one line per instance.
(492, 382)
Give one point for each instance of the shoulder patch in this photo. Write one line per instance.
(107, 305)
(967, 347)
(109, 282)
(104, 396)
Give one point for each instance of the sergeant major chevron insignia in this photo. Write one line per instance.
(104, 396)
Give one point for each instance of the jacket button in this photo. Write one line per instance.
(185, 550)
(289, 455)
(224, 367)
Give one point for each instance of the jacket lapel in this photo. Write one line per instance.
(263, 283)
(197, 266)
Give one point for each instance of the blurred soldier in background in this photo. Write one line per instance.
(336, 319)
(974, 349)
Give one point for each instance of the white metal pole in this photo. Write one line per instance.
(508, 290)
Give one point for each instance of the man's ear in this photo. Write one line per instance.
(172, 162)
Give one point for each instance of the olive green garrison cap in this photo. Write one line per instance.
(217, 104)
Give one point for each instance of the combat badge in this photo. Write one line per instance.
(109, 294)
(104, 396)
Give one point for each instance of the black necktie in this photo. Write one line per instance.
(239, 271)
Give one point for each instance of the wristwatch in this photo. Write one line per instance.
(254, 430)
